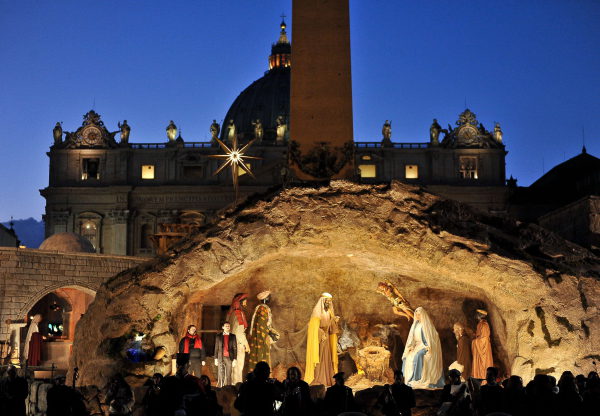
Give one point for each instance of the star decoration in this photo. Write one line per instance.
(235, 158)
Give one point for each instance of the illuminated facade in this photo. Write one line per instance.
(117, 193)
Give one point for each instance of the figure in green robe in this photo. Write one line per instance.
(262, 334)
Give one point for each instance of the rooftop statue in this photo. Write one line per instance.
(125, 130)
(258, 130)
(230, 131)
(282, 127)
(434, 132)
(498, 133)
(57, 132)
(386, 131)
(215, 129)
(171, 131)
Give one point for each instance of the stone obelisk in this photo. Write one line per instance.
(321, 128)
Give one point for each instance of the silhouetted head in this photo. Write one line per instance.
(11, 371)
(567, 381)
(183, 364)
(454, 376)
(398, 376)
(339, 378)
(491, 374)
(262, 371)
(515, 382)
(205, 381)
(293, 374)
(157, 378)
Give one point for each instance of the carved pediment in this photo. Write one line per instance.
(91, 134)
(469, 133)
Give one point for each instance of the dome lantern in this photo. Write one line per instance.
(281, 52)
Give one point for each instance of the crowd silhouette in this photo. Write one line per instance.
(184, 394)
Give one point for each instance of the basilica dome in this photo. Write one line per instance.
(265, 99)
(67, 243)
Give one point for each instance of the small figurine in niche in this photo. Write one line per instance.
(400, 306)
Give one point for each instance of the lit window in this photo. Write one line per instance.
(90, 169)
(411, 171)
(241, 171)
(88, 230)
(147, 171)
(467, 167)
(368, 171)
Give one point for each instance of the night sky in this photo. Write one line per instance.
(533, 66)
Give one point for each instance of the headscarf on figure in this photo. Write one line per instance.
(312, 341)
(236, 308)
(431, 366)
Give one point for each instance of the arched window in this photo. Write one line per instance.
(89, 230)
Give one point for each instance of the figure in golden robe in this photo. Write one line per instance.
(481, 347)
(321, 343)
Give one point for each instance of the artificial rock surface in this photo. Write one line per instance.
(542, 293)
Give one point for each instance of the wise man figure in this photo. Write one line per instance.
(262, 333)
(238, 321)
(191, 346)
(321, 343)
(225, 355)
(463, 352)
(482, 346)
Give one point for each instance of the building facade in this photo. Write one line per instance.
(117, 194)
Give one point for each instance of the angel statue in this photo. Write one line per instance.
(400, 305)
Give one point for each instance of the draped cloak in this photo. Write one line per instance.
(321, 348)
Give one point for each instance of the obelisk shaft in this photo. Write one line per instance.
(321, 83)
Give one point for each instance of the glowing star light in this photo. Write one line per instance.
(235, 158)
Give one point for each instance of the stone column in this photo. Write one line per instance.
(114, 232)
(321, 90)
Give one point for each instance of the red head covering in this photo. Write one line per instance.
(236, 307)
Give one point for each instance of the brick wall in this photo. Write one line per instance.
(27, 275)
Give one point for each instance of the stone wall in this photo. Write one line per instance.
(27, 275)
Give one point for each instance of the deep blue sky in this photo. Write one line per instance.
(534, 66)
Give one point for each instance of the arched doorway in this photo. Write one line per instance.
(60, 310)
